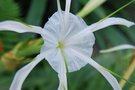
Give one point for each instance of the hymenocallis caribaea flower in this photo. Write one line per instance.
(68, 45)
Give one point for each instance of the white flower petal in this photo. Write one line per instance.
(108, 22)
(76, 24)
(111, 79)
(67, 9)
(62, 79)
(53, 59)
(62, 74)
(59, 6)
(56, 61)
(55, 26)
(74, 63)
(84, 45)
(19, 27)
(59, 10)
(23, 73)
(49, 37)
(22, 28)
(117, 48)
(103, 24)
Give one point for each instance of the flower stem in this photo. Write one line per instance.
(128, 73)
(89, 7)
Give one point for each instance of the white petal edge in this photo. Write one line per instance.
(117, 48)
(19, 27)
(24, 72)
(110, 78)
(62, 73)
(100, 25)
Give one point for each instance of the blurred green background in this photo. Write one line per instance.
(16, 50)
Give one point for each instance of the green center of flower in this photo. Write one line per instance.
(60, 45)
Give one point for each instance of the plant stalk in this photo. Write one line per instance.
(128, 73)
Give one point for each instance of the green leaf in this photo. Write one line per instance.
(9, 10)
(36, 12)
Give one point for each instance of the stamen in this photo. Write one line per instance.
(60, 45)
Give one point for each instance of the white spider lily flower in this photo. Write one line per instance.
(68, 45)
(117, 48)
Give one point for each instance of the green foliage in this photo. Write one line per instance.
(9, 39)
(36, 12)
(83, 1)
(9, 10)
